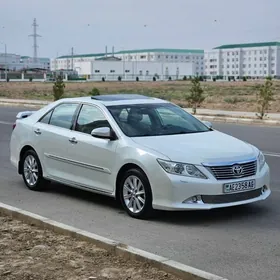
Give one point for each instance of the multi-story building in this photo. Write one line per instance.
(144, 55)
(252, 60)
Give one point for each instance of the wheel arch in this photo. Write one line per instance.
(121, 172)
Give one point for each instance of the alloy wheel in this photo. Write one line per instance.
(30, 169)
(134, 194)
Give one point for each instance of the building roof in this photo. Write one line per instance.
(160, 50)
(249, 45)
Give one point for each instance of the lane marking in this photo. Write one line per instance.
(268, 154)
(7, 123)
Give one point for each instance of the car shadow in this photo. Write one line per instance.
(199, 218)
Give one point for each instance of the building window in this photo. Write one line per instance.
(260, 58)
(244, 65)
(158, 56)
(176, 56)
(255, 65)
(96, 71)
(272, 64)
(127, 71)
(142, 56)
(272, 71)
(260, 52)
(228, 60)
(265, 51)
(112, 71)
(249, 58)
(171, 57)
(264, 71)
(272, 58)
(249, 65)
(166, 56)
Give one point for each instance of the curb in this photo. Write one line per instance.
(238, 120)
(169, 266)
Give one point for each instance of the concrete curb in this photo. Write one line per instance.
(238, 120)
(169, 266)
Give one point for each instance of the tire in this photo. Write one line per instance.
(132, 201)
(29, 162)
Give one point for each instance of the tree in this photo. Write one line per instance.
(94, 92)
(195, 98)
(58, 87)
(264, 97)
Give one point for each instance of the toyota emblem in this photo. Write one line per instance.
(237, 170)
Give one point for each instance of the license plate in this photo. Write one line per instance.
(239, 186)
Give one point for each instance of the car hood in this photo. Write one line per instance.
(197, 148)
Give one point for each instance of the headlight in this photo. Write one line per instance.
(261, 161)
(183, 169)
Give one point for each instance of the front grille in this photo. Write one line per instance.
(226, 172)
(228, 198)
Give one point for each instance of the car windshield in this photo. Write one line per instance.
(155, 119)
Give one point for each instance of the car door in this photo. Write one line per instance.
(52, 141)
(94, 159)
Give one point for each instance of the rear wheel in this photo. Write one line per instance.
(32, 171)
(136, 195)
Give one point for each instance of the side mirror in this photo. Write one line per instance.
(209, 124)
(104, 133)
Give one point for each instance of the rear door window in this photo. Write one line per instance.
(63, 115)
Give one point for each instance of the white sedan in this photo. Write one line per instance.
(146, 152)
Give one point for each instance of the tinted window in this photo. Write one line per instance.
(90, 117)
(155, 119)
(63, 115)
(46, 118)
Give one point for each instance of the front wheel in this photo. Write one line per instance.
(136, 195)
(32, 171)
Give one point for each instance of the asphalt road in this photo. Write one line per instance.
(238, 243)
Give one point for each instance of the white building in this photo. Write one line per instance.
(143, 70)
(16, 62)
(144, 55)
(251, 60)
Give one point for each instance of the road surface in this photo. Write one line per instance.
(238, 243)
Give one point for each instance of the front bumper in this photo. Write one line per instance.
(173, 192)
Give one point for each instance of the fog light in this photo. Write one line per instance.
(264, 189)
(193, 199)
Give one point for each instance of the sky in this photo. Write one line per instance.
(89, 25)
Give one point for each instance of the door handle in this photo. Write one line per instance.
(73, 140)
(37, 131)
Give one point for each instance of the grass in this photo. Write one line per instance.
(239, 96)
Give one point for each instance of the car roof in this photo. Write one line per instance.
(118, 99)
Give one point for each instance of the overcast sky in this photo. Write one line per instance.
(90, 25)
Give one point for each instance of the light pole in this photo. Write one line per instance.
(6, 74)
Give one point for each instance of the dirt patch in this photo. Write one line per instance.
(30, 253)
(235, 96)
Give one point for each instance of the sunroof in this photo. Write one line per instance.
(116, 97)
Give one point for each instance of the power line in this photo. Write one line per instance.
(35, 35)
